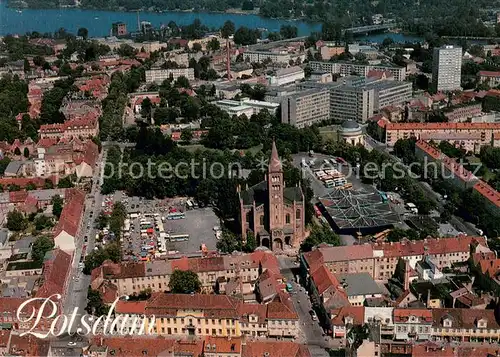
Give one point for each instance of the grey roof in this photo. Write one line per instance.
(24, 243)
(359, 284)
(13, 167)
(350, 124)
(46, 195)
(4, 235)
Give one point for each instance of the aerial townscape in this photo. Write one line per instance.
(250, 179)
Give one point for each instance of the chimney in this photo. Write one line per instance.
(428, 297)
(407, 276)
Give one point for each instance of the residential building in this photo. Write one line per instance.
(345, 318)
(259, 56)
(129, 278)
(356, 103)
(210, 346)
(463, 112)
(443, 166)
(380, 259)
(214, 315)
(306, 107)
(286, 76)
(476, 135)
(274, 213)
(490, 196)
(79, 128)
(119, 29)
(427, 270)
(347, 68)
(388, 93)
(158, 75)
(465, 325)
(412, 324)
(490, 78)
(69, 223)
(487, 268)
(447, 68)
(358, 287)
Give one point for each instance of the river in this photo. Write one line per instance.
(13, 21)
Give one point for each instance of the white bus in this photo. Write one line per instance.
(177, 237)
(176, 215)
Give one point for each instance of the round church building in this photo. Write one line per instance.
(351, 133)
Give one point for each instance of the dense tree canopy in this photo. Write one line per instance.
(184, 282)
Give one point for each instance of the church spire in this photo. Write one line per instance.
(274, 162)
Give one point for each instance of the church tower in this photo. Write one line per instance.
(275, 188)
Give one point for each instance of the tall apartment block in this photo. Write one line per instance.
(306, 108)
(158, 75)
(446, 68)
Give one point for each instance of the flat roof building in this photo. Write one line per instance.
(306, 108)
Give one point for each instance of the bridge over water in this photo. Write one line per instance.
(369, 28)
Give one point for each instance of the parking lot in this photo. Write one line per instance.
(155, 228)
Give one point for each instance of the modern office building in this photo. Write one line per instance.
(306, 108)
(390, 93)
(348, 68)
(352, 103)
(158, 75)
(446, 68)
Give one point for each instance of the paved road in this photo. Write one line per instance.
(76, 295)
(455, 221)
(311, 330)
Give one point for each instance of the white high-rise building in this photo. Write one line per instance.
(446, 68)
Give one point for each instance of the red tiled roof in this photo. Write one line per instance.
(247, 309)
(324, 279)
(46, 142)
(71, 214)
(431, 246)
(131, 307)
(224, 345)
(489, 74)
(432, 350)
(465, 318)
(55, 273)
(428, 149)
(281, 308)
(18, 196)
(356, 312)
(24, 181)
(342, 253)
(212, 305)
(28, 346)
(402, 315)
(487, 192)
(4, 338)
(274, 349)
(91, 153)
(132, 346)
(443, 126)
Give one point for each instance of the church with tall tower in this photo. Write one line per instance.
(273, 212)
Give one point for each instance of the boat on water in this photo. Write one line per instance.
(19, 11)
